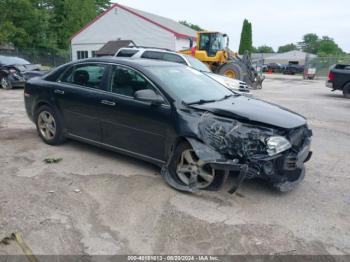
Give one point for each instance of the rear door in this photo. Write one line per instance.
(78, 94)
(133, 125)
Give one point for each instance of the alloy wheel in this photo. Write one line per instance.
(47, 125)
(4, 83)
(194, 172)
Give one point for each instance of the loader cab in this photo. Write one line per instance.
(212, 42)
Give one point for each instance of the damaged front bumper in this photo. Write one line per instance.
(285, 171)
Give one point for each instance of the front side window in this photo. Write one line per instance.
(89, 75)
(126, 81)
(163, 56)
(197, 64)
(173, 58)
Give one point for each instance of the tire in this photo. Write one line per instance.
(178, 181)
(50, 131)
(231, 68)
(6, 83)
(346, 91)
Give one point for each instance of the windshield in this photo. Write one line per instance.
(197, 64)
(11, 60)
(189, 85)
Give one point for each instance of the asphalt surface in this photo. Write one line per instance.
(99, 202)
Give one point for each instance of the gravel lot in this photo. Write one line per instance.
(99, 202)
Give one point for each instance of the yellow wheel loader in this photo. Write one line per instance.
(212, 49)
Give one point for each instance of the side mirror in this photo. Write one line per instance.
(148, 95)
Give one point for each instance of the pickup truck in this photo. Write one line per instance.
(339, 79)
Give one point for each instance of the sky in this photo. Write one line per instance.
(275, 22)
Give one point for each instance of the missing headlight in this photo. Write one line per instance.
(232, 137)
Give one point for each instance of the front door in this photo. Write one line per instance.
(78, 95)
(133, 125)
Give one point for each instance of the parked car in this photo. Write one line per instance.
(339, 79)
(14, 71)
(274, 67)
(170, 56)
(174, 116)
(293, 69)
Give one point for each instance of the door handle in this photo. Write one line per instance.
(108, 103)
(58, 91)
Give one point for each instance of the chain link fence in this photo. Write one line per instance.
(35, 56)
(322, 64)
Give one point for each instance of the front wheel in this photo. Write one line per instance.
(49, 125)
(6, 83)
(189, 173)
(231, 70)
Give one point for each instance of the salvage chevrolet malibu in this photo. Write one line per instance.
(194, 128)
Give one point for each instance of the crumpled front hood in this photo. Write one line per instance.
(256, 110)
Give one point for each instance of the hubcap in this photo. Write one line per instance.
(230, 73)
(194, 172)
(47, 125)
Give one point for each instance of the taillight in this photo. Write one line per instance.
(330, 76)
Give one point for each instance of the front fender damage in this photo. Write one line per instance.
(212, 157)
(236, 147)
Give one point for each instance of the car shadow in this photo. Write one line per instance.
(333, 95)
(112, 155)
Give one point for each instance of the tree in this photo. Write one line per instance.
(263, 49)
(287, 48)
(102, 5)
(327, 46)
(45, 24)
(246, 38)
(190, 25)
(321, 46)
(310, 43)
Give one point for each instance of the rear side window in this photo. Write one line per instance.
(127, 53)
(89, 75)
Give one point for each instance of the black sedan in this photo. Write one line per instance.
(194, 128)
(14, 71)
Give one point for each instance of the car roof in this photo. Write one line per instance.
(137, 62)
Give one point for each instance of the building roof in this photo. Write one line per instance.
(111, 47)
(167, 24)
(295, 54)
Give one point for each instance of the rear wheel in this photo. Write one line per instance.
(346, 90)
(188, 172)
(49, 125)
(6, 83)
(231, 70)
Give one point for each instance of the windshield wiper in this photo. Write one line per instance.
(199, 102)
(228, 96)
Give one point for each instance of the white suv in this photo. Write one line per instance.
(167, 55)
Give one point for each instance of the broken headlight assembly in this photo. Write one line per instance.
(276, 145)
(234, 138)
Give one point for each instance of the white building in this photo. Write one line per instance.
(124, 23)
(291, 57)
